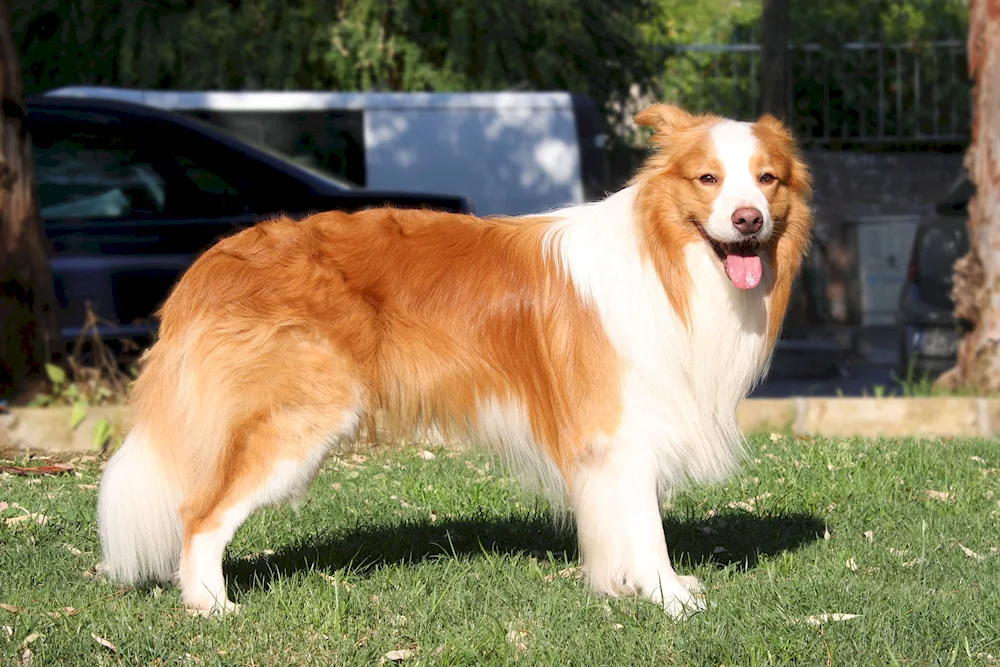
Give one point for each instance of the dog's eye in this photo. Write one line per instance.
(767, 179)
(707, 179)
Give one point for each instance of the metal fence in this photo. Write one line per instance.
(854, 92)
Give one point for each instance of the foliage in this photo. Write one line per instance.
(832, 23)
(84, 41)
(587, 46)
(829, 23)
(79, 395)
(838, 93)
(706, 22)
(611, 51)
(914, 385)
(97, 376)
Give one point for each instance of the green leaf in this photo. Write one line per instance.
(79, 412)
(56, 374)
(102, 433)
(40, 401)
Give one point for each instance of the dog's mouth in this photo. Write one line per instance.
(741, 260)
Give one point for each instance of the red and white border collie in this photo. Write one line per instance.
(604, 346)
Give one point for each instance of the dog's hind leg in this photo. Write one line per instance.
(271, 458)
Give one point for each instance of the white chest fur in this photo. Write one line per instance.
(682, 383)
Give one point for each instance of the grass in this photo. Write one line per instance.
(451, 561)
(920, 388)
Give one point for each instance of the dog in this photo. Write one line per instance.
(603, 348)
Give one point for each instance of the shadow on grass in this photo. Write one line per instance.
(743, 539)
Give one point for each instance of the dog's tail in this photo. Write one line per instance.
(138, 514)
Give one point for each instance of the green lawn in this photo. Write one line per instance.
(450, 560)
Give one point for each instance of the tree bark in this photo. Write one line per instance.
(977, 275)
(774, 53)
(27, 299)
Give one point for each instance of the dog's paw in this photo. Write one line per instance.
(682, 607)
(227, 608)
(681, 597)
(692, 584)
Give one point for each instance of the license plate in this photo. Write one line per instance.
(937, 342)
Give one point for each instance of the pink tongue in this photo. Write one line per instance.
(744, 271)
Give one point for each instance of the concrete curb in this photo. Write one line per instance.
(959, 417)
(48, 430)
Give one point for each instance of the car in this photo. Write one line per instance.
(130, 195)
(927, 330)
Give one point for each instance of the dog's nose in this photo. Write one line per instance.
(747, 220)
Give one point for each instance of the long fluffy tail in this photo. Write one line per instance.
(137, 515)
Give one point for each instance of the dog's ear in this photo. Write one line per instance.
(665, 119)
(775, 126)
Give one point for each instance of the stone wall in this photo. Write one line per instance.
(851, 184)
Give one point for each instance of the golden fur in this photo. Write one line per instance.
(292, 334)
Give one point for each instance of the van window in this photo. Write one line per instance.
(329, 140)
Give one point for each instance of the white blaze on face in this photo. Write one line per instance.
(735, 146)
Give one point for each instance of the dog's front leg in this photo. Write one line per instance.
(620, 532)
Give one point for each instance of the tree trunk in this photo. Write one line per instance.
(977, 275)
(27, 301)
(774, 53)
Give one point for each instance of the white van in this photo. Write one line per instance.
(508, 153)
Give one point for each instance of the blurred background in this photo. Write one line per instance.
(502, 107)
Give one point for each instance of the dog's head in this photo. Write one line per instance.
(741, 187)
